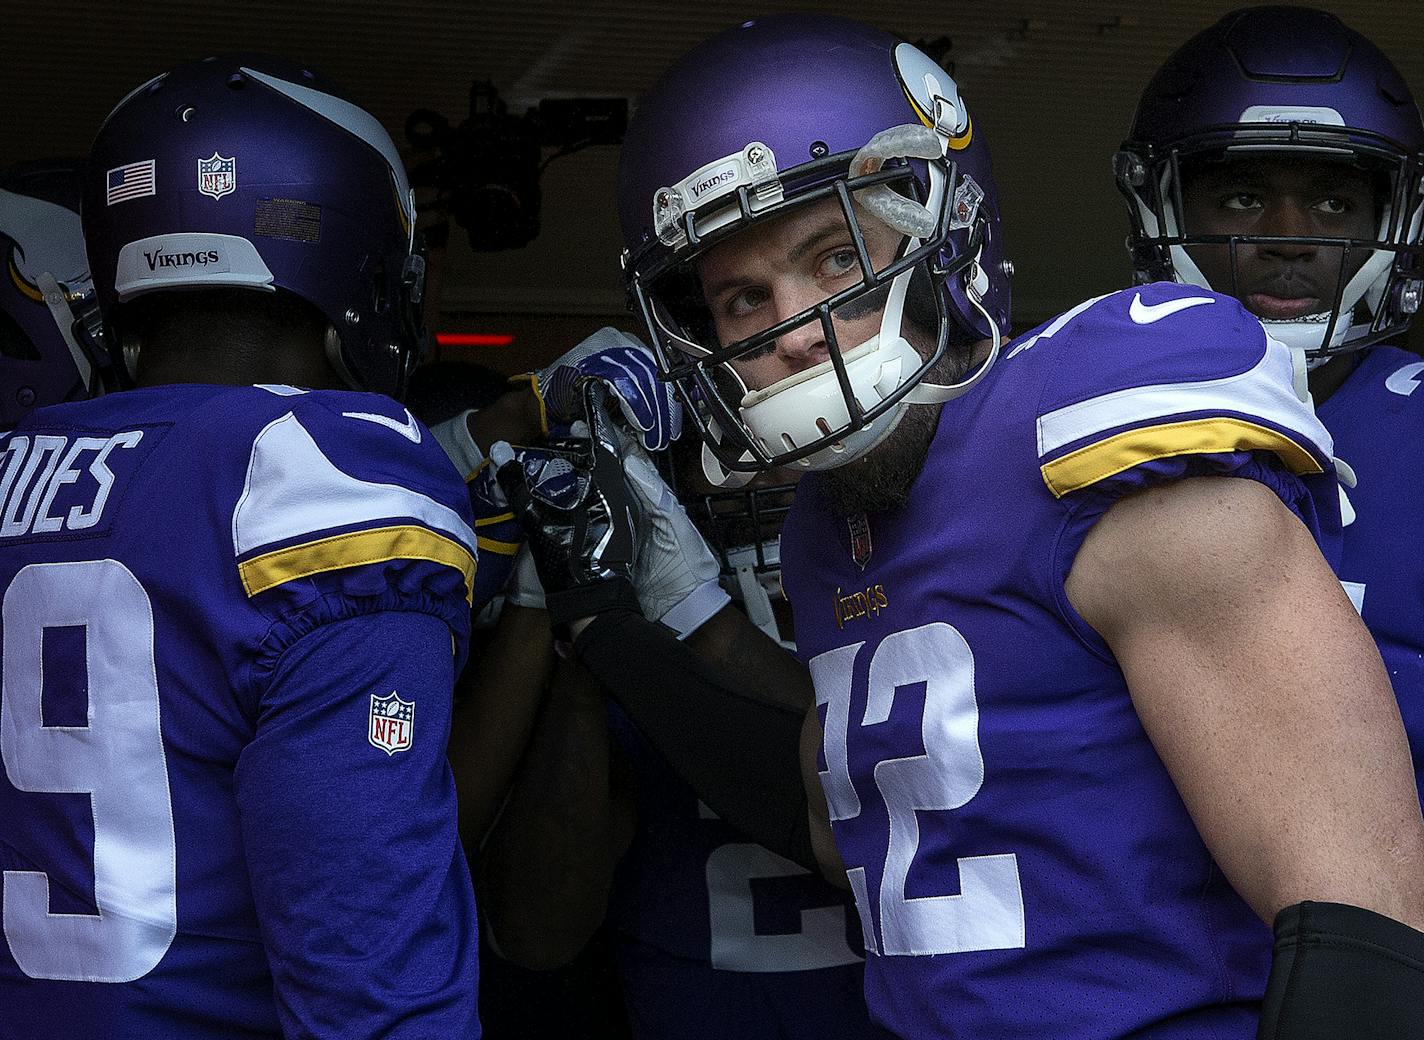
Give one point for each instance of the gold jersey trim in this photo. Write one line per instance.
(495, 546)
(356, 549)
(1106, 458)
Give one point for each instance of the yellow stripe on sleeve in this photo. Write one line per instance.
(356, 549)
(476, 471)
(1095, 462)
(494, 546)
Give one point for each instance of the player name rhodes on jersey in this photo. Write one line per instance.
(50, 483)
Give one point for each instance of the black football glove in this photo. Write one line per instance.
(578, 515)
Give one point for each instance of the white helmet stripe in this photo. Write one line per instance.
(350, 118)
(49, 235)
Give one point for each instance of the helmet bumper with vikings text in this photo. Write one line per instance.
(1245, 88)
(252, 173)
(837, 411)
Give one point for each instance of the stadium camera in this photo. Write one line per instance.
(486, 170)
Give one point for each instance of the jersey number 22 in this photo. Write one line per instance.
(988, 912)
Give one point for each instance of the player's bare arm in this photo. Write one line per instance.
(1262, 692)
(547, 866)
(818, 813)
(499, 698)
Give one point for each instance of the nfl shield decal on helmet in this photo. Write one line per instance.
(217, 176)
(392, 723)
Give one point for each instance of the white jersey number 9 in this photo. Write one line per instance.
(117, 759)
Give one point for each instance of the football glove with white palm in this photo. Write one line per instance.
(630, 372)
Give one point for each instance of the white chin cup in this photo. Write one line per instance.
(808, 405)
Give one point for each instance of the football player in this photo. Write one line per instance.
(1091, 704)
(1277, 157)
(229, 596)
(45, 290)
(715, 935)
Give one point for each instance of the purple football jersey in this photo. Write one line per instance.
(1377, 420)
(231, 622)
(719, 937)
(1022, 863)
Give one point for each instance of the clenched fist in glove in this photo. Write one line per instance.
(674, 573)
(577, 514)
(630, 372)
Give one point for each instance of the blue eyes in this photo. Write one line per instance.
(829, 266)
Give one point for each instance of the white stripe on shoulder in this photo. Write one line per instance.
(293, 489)
(353, 120)
(1269, 390)
(280, 389)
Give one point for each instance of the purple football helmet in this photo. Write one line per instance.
(46, 297)
(741, 526)
(743, 529)
(1295, 82)
(255, 173)
(796, 111)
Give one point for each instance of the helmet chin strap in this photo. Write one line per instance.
(54, 299)
(938, 393)
(130, 350)
(331, 344)
(1305, 336)
(719, 475)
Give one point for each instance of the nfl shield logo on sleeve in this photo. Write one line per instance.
(392, 723)
(217, 176)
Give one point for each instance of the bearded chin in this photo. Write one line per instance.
(883, 479)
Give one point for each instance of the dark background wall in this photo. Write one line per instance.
(1052, 83)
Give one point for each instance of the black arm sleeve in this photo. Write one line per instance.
(1341, 971)
(740, 754)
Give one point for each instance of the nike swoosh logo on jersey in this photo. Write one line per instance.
(408, 429)
(1146, 314)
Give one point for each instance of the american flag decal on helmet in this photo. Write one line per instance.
(131, 181)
